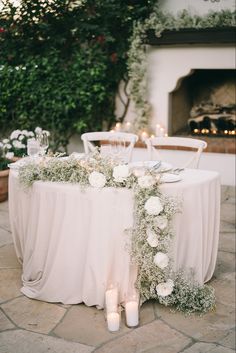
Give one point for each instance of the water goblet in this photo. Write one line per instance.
(33, 148)
(43, 140)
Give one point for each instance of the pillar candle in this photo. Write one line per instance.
(113, 321)
(132, 313)
(158, 126)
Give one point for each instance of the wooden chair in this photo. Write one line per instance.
(177, 143)
(107, 139)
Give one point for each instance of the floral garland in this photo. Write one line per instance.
(151, 234)
(137, 58)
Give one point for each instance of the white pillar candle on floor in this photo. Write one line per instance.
(111, 298)
(162, 132)
(132, 313)
(158, 126)
(113, 321)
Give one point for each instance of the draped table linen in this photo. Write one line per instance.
(72, 241)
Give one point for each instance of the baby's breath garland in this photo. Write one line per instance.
(151, 233)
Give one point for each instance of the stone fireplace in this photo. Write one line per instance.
(183, 76)
(203, 103)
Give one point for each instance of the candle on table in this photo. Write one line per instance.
(162, 132)
(132, 313)
(158, 126)
(118, 127)
(113, 322)
(111, 298)
(127, 126)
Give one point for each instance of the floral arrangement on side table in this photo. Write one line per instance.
(151, 234)
(16, 144)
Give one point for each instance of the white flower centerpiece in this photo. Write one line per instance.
(16, 144)
(151, 234)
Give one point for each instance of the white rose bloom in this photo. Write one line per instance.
(5, 141)
(153, 206)
(15, 134)
(8, 146)
(120, 173)
(161, 260)
(97, 180)
(38, 130)
(161, 222)
(16, 144)
(165, 288)
(146, 181)
(30, 134)
(21, 137)
(152, 238)
(9, 155)
(1, 144)
(24, 132)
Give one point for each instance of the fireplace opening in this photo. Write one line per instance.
(204, 104)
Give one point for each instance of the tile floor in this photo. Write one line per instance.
(31, 326)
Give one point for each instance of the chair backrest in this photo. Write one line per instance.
(127, 140)
(189, 143)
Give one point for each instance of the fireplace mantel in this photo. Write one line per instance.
(193, 36)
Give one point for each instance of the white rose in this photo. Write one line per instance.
(152, 238)
(120, 173)
(15, 134)
(153, 206)
(97, 180)
(161, 260)
(38, 130)
(5, 141)
(21, 137)
(165, 288)
(24, 132)
(30, 134)
(8, 146)
(161, 222)
(9, 155)
(146, 181)
(16, 144)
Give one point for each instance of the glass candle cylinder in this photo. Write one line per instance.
(132, 310)
(113, 321)
(111, 298)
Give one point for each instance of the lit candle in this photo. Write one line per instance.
(226, 132)
(113, 321)
(132, 313)
(214, 132)
(127, 126)
(118, 127)
(196, 131)
(207, 131)
(158, 126)
(111, 298)
(233, 132)
(144, 135)
(162, 132)
(166, 135)
(152, 136)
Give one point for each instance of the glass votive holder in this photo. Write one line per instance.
(113, 321)
(111, 298)
(132, 309)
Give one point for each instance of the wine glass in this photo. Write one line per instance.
(117, 147)
(43, 140)
(33, 147)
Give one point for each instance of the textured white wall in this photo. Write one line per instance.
(199, 7)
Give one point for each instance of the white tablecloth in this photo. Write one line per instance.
(72, 242)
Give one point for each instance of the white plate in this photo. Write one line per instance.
(150, 164)
(170, 178)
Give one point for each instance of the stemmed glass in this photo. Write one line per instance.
(43, 140)
(117, 147)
